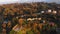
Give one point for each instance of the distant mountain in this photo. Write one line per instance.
(27, 1)
(50, 1)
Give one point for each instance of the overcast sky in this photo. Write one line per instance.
(22, 1)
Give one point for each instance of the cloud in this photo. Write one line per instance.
(8, 1)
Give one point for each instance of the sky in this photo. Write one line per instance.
(23, 1)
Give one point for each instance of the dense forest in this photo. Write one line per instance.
(10, 13)
(28, 8)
